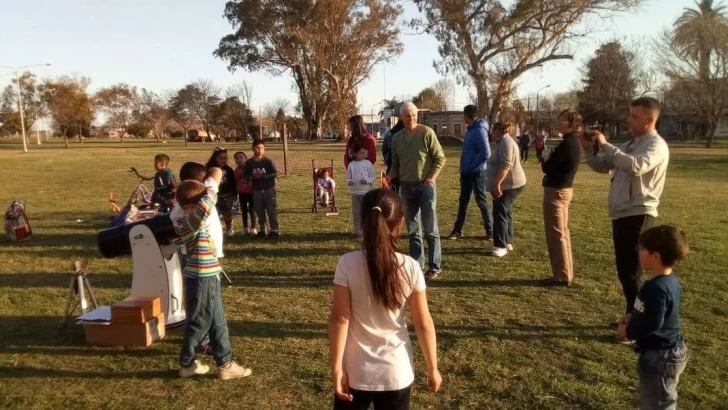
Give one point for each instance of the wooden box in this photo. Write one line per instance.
(126, 334)
(139, 309)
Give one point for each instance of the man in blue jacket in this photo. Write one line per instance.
(475, 154)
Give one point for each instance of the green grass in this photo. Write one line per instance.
(503, 342)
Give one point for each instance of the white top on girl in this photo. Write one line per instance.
(378, 352)
(358, 171)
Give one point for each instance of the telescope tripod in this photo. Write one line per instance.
(77, 294)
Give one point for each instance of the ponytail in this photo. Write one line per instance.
(382, 216)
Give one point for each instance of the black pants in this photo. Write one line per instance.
(473, 184)
(524, 153)
(626, 234)
(382, 400)
(539, 155)
(246, 209)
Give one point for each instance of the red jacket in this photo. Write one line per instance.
(370, 144)
(243, 186)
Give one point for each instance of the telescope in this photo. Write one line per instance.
(152, 244)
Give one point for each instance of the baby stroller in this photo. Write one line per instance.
(319, 173)
(139, 206)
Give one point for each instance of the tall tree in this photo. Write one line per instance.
(235, 117)
(181, 109)
(69, 104)
(118, 103)
(328, 46)
(275, 112)
(609, 86)
(489, 44)
(205, 97)
(151, 114)
(438, 97)
(694, 57)
(33, 105)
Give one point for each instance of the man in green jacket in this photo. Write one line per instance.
(417, 159)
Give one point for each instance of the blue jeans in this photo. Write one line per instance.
(659, 373)
(421, 216)
(205, 317)
(473, 184)
(503, 228)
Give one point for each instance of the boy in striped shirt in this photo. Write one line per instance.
(203, 298)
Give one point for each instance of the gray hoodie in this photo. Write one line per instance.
(640, 166)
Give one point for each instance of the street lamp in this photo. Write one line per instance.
(20, 96)
(537, 112)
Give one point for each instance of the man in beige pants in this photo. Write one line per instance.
(559, 169)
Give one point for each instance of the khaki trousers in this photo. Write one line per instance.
(556, 225)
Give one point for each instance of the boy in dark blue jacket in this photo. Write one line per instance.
(654, 323)
(475, 154)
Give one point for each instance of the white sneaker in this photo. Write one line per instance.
(233, 371)
(509, 247)
(196, 369)
(230, 232)
(253, 232)
(499, 252)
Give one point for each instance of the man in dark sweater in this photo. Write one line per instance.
(263, 172)
(655, 322)
(559, 170)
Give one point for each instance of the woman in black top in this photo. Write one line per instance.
(559, 169)
(228, 191)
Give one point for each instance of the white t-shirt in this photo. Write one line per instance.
(378, 352)
(358, 171)
(212, 225)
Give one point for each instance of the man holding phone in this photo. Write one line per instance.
(640, 167)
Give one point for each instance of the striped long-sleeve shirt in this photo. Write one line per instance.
(201, 259)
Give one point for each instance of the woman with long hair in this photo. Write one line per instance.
(227, 191)
(559, 170)
(359, 135)
(369, 345)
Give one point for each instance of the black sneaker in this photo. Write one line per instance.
(261, 234)
(489, 237)
(454, 235)
(273, 235)
(433, 274)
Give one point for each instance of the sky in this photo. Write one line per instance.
(165, 44)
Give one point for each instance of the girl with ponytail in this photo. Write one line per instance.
(369, 345)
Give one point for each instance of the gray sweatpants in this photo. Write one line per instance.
(356, 201)
(264, 202)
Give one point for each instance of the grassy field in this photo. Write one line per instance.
(503, 341)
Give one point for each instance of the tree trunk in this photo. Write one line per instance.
(80, 135)
(185, 136)
(711, 134)
(65, 137)
(481, 90)
(501, 95)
